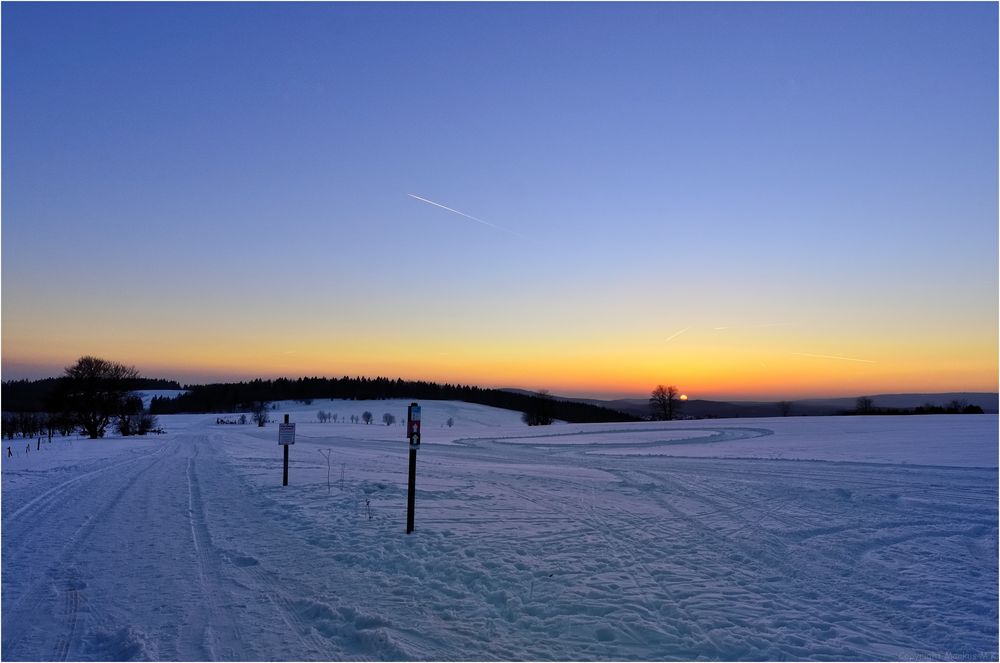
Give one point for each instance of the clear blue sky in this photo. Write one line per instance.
(220, 190)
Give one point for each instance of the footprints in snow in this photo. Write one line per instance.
(350, 625)
(242, 561)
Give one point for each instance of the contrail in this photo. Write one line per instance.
(769, 324)
(468, 216)
(675, 335)
(806, 354)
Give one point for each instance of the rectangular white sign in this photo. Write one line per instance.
(286, 433)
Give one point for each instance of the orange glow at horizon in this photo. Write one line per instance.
(596, 358)
(568, 369)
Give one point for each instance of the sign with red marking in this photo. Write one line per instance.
(413, 425)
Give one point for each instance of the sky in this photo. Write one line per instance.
(743, 200)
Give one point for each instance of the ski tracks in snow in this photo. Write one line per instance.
(122, 562)
(299, 605)
(216, 629)
(757, 562)
(44, 594)
(539, 550)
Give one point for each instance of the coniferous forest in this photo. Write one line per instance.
(240, 396)
(36, 396)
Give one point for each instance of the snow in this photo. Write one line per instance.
(148, 395)
(826, 538)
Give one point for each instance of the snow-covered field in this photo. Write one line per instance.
(854, 538)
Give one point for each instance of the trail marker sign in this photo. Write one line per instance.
(413, 425)
(286, 436)
(413, 433)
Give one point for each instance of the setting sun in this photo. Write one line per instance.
(684, 397)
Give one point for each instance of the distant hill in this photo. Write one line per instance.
(167, 397)
(807, 407)
(986, 400)
(706, 409)
(238, 396)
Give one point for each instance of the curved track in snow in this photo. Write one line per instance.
(188, 548)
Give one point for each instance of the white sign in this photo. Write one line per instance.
(286, 433)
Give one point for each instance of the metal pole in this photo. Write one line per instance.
(412, 491)
(413, 435)
(284, 481)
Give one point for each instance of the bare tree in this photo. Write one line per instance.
(258, 412)
(664, 403)
(94, 390)
(864, 405)
(146, 423)
(539, 411)
(128, 418)
(388, 419)
(450, 422)
(366, 416)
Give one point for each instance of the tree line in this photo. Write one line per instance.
(92, 395)
(241, 396)
(865, 405)
(36, 395)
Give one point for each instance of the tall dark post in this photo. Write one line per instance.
(413, 434)
(284, 480)
(411, 494)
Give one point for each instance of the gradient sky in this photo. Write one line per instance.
(743, 200)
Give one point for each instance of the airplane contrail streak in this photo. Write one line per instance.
(769, 324)
(675, 335)
(806, 354)
(468, 216)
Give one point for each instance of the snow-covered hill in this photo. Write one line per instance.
(147, 395)
(823, 538)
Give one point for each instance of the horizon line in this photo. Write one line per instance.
(595, 395)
